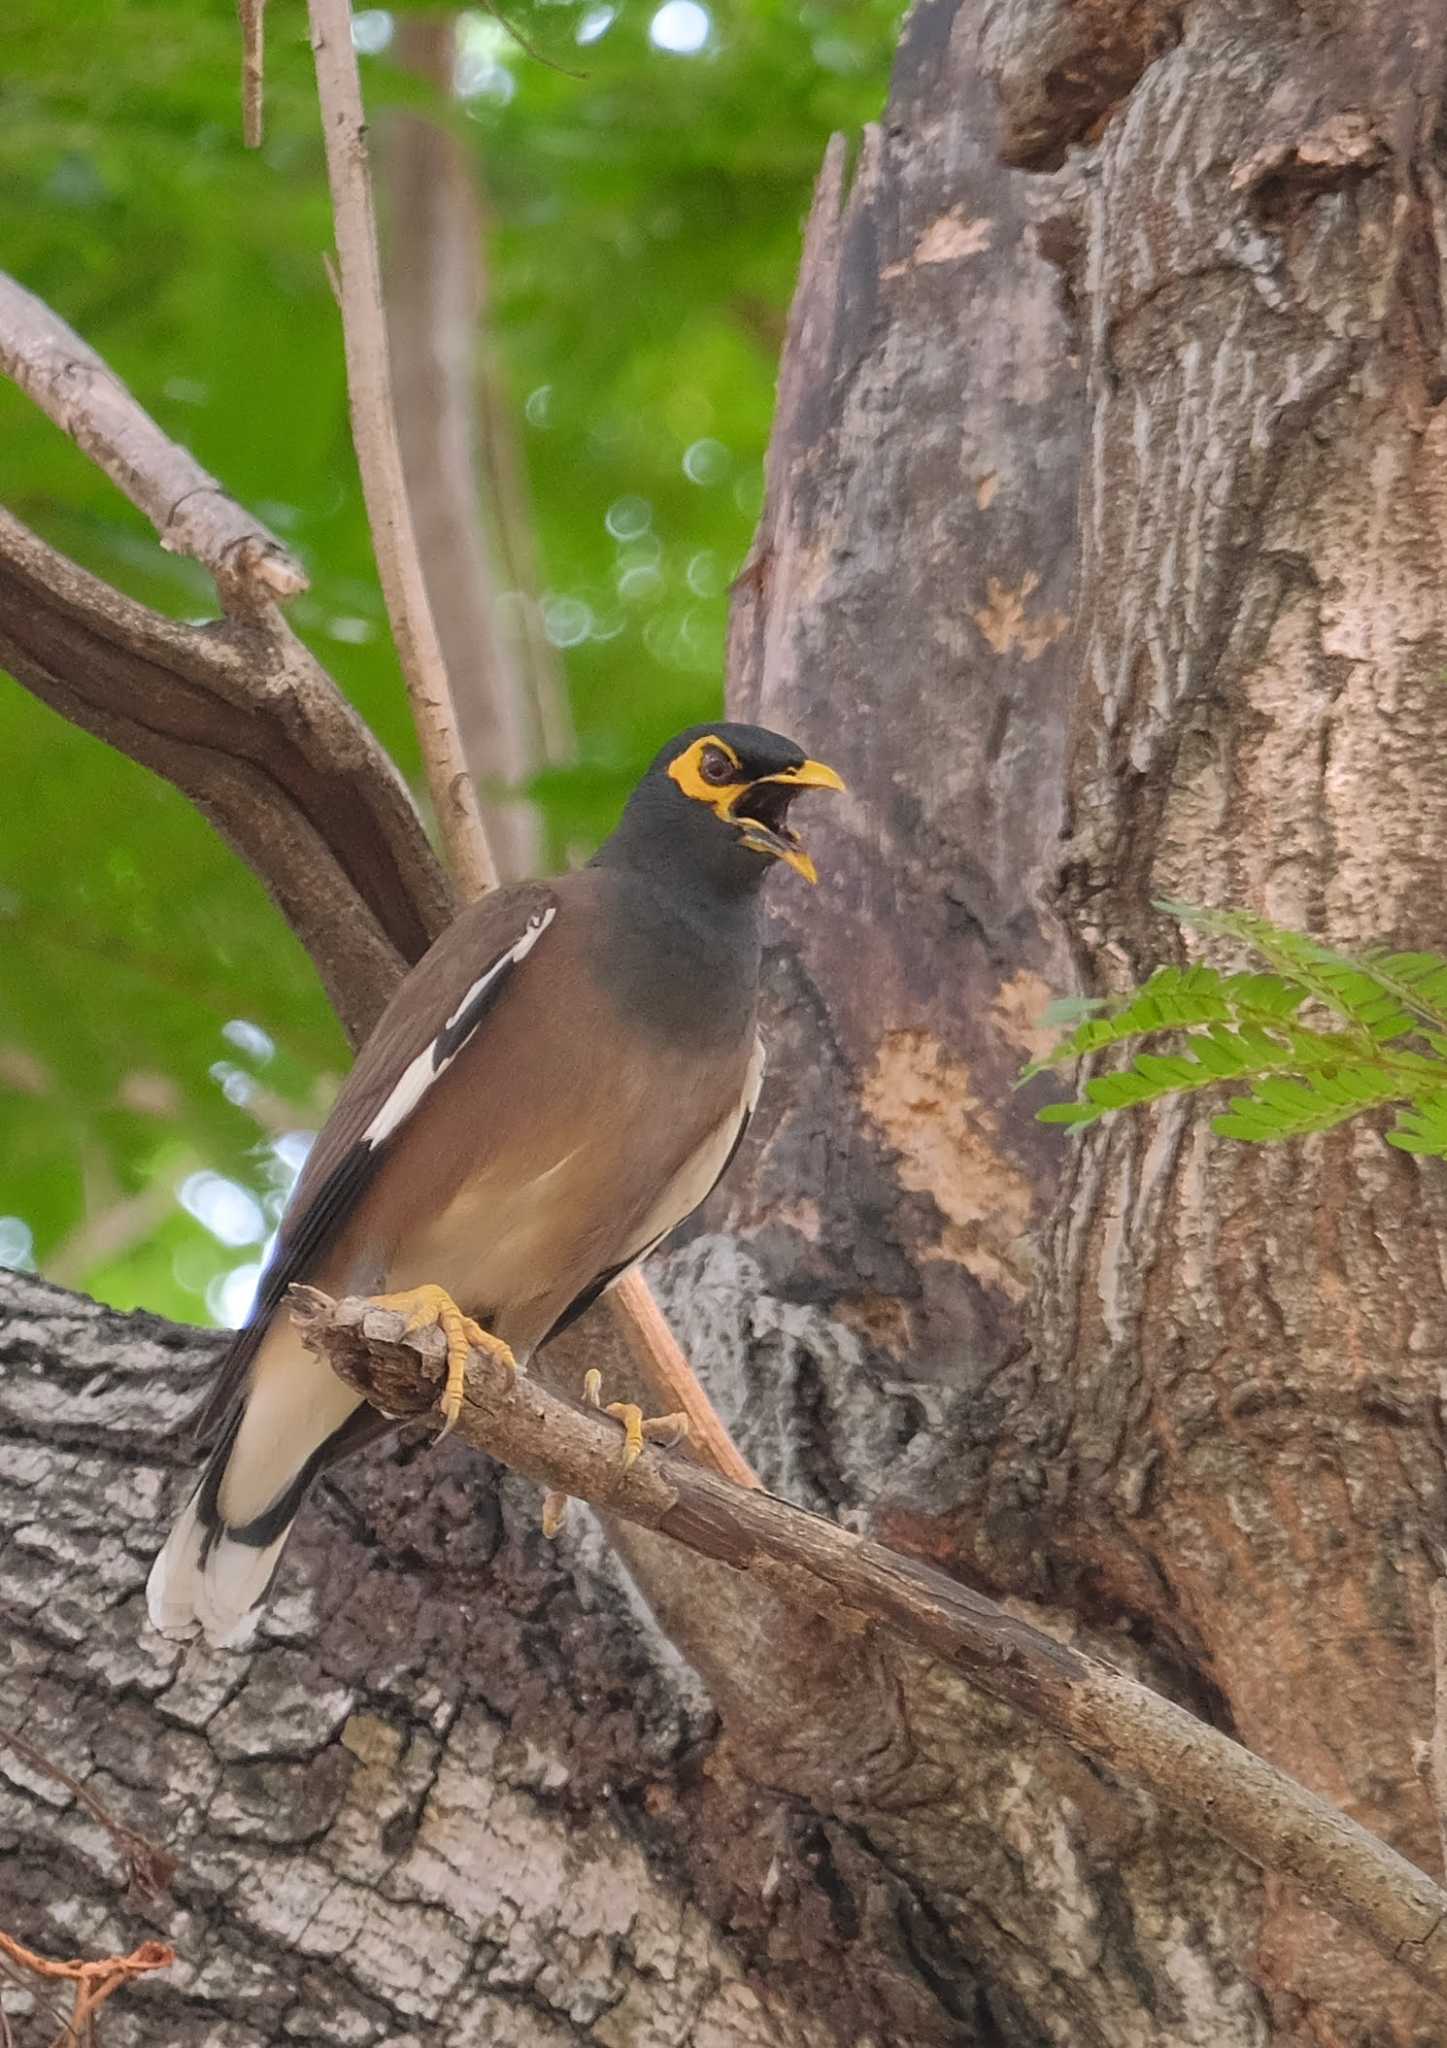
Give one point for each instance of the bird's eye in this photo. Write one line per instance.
(715, 766)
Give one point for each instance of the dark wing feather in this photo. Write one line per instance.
(427, 1010)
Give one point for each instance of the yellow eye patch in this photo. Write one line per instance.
(720, 793)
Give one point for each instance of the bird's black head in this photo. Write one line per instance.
(715, 803)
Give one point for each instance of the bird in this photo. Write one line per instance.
(560, 1080)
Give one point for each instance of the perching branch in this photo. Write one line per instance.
(859, 1584)
(379, 456)
(188, 508)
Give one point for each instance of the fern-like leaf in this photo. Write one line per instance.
(1300, 1078)
(1368, 994)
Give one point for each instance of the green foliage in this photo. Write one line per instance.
(1374, 1035)
(645, 224)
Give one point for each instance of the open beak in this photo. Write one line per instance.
(761, 813)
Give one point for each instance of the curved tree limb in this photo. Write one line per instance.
(188, 508)
(241, 718)
(861, 1584)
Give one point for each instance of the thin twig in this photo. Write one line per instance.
(858, 1584)
(184, 502)
(530, 49)
(40, 2001)
(374, 432)
(149, 1867)
(374, 429)
(94, 1981)
(253, 69)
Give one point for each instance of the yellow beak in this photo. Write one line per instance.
(784, 845)
(811, 775)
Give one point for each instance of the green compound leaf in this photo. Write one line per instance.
(1246, 1027)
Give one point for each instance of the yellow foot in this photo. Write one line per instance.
(638, 1428)
(429, 1305)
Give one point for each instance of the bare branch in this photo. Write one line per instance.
(184, 502)
(374, 432)
(241, 719)
(854, 1581)
(253, 69)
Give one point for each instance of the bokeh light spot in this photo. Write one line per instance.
(680, 26)
(567, 621)
(627, 518)
(17, 1243)
(643, 580)
(706, 462)
(595, 23)
(224, 1207)
(371, 31)
(250, 1039)
(230, 1295)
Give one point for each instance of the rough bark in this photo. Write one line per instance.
(1208, 1417)
(1174, 1401)
(442, 1801)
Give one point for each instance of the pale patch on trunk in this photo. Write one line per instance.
(922, 1101)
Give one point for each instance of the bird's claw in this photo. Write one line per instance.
(638, 1428)
(430, 1305)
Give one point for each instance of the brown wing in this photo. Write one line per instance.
(437, 1010)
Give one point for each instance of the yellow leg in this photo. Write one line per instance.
(638, 1428)
(425, 1306)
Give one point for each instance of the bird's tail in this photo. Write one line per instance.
(294, 1417)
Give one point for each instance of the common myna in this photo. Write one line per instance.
(554, 1087)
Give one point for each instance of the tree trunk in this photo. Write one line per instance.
(436, 291)
(1177, 1398)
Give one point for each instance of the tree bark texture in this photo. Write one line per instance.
(1170, 1387)
(1103, 554)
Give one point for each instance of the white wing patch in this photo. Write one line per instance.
(435, 1058)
